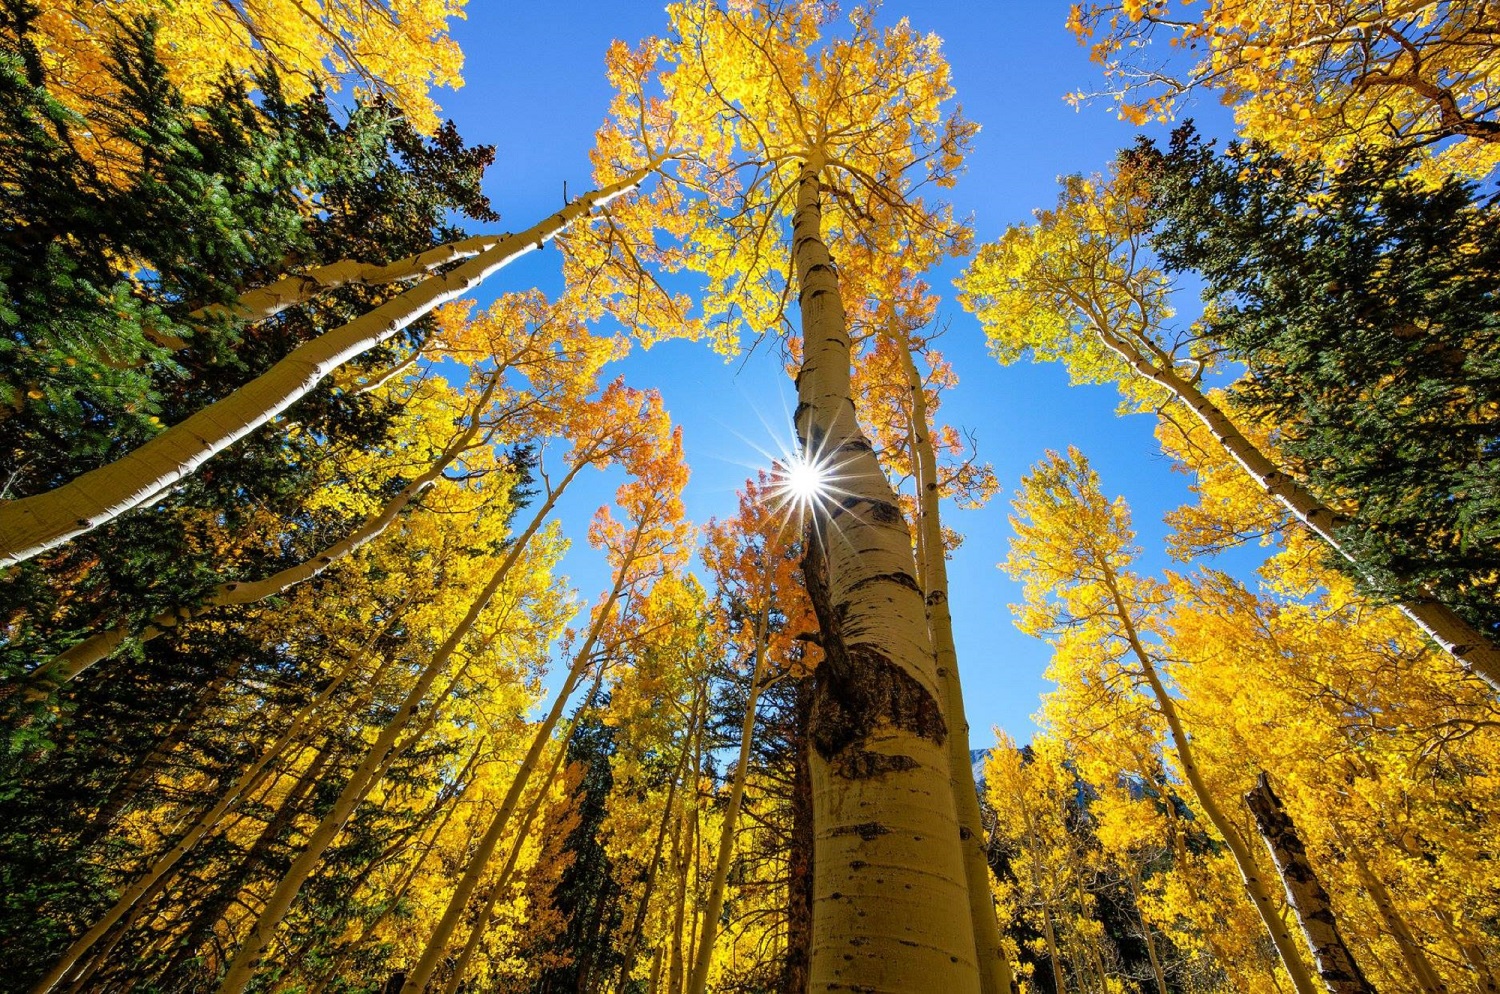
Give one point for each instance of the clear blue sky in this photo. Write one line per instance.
(536, 89)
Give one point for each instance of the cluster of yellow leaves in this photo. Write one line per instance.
(1313, 79)
(399, 48)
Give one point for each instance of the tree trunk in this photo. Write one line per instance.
(370, 768)
(1255, 885)
(32, 525)
(627, 957)
(68, 664)
(795, 970)
(1453, 634)
(437, 943)
(890, 901)
(1305, 893)
(995, 974)
(715, 904)
(1423, 975)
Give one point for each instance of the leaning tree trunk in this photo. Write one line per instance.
(458, 903)
(32, 525)
(995, 974)
(1305, 893)
(1442, 624)
(1255, 885)
(1423, 975)
(68, 664)
(711, 910)
(890, 899)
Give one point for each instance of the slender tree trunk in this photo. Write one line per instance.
(371, 766)
(1442, 624)
(795, 969)
(679, 903)
(715, 904)
(1151, 953)
(502, 881)
(67, 665)
(995, 974)
(1423, 975)
(1255, 885)
(1305, 893)
(32, 525)
(632, 940)
(437, 943)
(890, 907)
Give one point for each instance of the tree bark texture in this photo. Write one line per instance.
(32, 525)
(890, 899)
(1305, 893)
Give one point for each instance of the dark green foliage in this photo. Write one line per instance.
(1366, 307)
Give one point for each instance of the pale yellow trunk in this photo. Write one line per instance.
(995, 974)
(70, 663)
(437, 943)
(890, 900)
(1250, 876)
(1423, 976)
(1456, 636)
(502, 881)
(32, 525)
(375, 760)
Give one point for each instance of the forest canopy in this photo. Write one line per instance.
(365, 628)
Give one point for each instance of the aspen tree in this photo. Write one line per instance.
(839, 124)
(1072, 552)
(1075, 287)
(34, 524)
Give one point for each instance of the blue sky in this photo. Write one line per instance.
(536, 89)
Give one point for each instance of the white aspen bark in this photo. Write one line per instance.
(32, 525)
(371, 766)
(1442, 624)
(698, 982)
(995, 974)
(890, 899)
(1305, 894)
(437, 943)
(265, 302)
(70, 663)
(1255, 885)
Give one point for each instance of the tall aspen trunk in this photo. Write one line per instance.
(1049, 934)
(370, 767)
(715, 904)
(627, 958)
(1255, 885)
(502, 881)
(1305, 893)
(890, 899)
(680, 842)
(795, 968)
(1423, 975)
(1442, 624)
(68, 664)
(32, 525)
(995, 974)
(437, 943)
